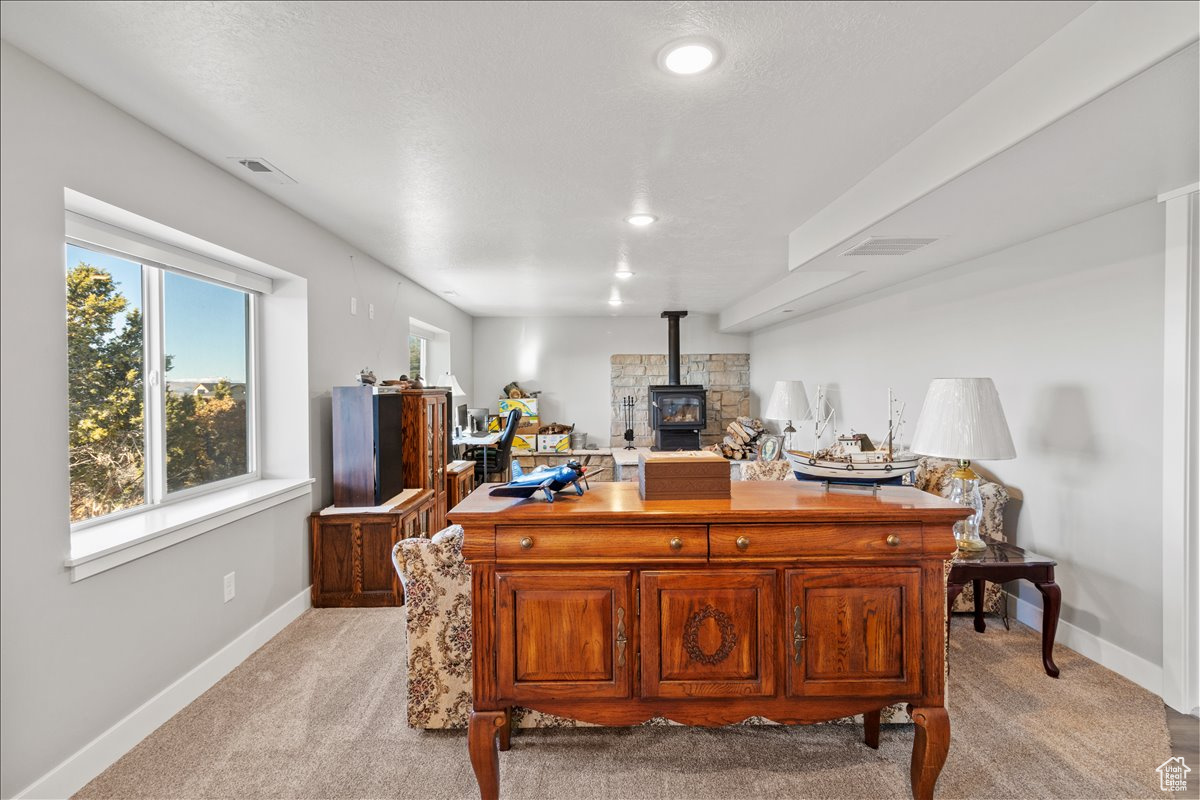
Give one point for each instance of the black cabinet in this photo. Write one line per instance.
(367, 446)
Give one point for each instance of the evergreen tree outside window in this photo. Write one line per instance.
(160, 383)
(418, 351)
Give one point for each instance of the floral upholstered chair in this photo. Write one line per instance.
(437, 595)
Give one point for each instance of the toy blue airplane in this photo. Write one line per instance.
(548, 480)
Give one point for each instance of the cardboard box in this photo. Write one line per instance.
(525, 443)
(554, 442)
(687, 475)
(528, 426)
(528, 406)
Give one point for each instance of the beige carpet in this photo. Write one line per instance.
(319, 713)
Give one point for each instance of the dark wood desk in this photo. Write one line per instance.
(1002, 562)
(783, 600)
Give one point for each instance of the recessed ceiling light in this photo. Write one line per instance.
(641, 220)
(624, 274)
(689, 56)
(614, 301)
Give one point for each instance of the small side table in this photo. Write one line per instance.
(1002, 562)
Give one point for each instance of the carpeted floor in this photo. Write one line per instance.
(319, 713)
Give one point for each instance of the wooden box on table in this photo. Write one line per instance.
(684, 475)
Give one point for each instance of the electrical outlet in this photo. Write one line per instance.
(353, 305)
(230, 589)
(370, 311)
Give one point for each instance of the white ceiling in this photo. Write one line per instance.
(1128, 146)
(467, 145)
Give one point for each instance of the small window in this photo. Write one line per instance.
(160, 383)
(418, 355)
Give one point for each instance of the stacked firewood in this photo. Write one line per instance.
(741, 439)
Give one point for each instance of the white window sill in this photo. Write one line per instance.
(101, 547)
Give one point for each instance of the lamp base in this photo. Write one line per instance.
(965, 490)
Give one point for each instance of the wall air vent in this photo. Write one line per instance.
(889, 246)
(263, 169)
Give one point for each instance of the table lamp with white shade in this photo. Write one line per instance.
(788, 402)
(447, 379)
(962, 419)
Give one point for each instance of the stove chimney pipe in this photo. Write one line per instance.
(672, 318)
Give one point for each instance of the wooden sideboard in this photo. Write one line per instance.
(786, 601)
(352, 553)
(425, 423)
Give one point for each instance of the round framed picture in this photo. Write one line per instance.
(768, 450)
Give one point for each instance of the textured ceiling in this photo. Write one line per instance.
(493, 149)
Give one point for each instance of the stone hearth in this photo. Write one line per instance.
(725, 375)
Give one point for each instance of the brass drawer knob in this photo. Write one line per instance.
(893, 539)
(677, 543)
(526, 543)
(743, 542)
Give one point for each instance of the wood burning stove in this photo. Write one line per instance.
(677, 412)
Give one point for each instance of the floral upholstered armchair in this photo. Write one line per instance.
(437, 595)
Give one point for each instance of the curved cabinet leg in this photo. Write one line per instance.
(871, 729)
(930, 745)
(1051, 602)
(482, 732)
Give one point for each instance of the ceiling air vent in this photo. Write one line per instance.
(889, 246)
(263, 169)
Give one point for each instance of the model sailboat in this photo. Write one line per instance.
(853, 458)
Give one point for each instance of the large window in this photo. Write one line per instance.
(160, 382)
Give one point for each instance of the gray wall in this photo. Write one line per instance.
(1070, 328)
(77, 657)
(568, 359)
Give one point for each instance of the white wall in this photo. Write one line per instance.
(76, 658)
(1070, 328)
(568, 359)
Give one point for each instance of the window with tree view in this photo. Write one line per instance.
(159, 383)
(418, 347)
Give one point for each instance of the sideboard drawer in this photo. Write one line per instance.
(757, 542)
(532, 544)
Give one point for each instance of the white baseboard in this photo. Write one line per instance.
(1137, 669)
(102, 752)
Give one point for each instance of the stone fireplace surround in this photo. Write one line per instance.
(726, 376)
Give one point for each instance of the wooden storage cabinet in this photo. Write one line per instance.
(708, 633)
(352, 554)
(424, 423)
(460, 482)
(539, 656)
(609, 609)
(854, 632)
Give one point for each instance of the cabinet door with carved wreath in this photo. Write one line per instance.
(708, 633)
(564, 634)
(853, 632)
